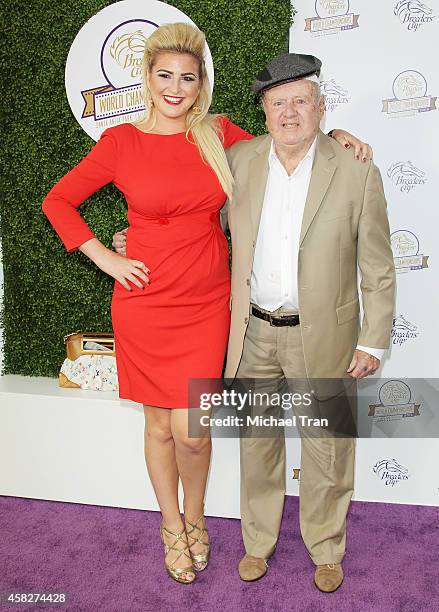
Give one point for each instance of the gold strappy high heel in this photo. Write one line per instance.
(177, 573)
(196, 534)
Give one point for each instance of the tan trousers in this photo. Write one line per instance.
(327, 463)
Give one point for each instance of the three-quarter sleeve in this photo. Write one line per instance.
(233, 133)
(61, 203)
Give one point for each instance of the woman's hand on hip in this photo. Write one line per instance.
(123, 269)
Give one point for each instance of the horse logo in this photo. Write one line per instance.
(390, 471)
(401, 323)
(404, 168)
(330, 88)
(329, 8)
(406, 176)
(394, 392)
(404, 243)
(410, 90)
(409, 86)
(403, 330)
(334, 94)
(412, 7)
(413, 13)
(127, 50)
(332, 16)
(405, 247)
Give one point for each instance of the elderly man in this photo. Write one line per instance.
(304, 214)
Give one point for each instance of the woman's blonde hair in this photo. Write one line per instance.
(204, 128)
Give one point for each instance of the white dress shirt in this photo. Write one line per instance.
(275, 264)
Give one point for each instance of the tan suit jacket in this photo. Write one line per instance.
(344, 223)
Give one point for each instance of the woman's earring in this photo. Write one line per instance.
(196, 110)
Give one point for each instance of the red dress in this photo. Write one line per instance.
(176, 328)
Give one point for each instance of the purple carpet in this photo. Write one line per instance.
(109, 559)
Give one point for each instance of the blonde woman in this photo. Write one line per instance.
(170, 307)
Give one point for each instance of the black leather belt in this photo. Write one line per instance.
(276, 321)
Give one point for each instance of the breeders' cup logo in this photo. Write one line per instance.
(403, 330)
(405, 247)
(406, 176)
(333, 16)
(126, 50)
(121, 63)
(104, 65)
(334, 94)
(410, 91)
(413, 13)
(395, 402)
(390, 472)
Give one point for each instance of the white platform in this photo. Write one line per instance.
(82, 446)
(87, 447)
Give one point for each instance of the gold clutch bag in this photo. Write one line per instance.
(80, 344)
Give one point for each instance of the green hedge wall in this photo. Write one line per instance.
(47, 292)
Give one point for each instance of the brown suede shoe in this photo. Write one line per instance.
(252, 568)
(328, 577)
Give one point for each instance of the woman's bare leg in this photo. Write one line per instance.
(160, 457)
(193, 460)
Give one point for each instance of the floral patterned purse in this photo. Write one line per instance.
(90, 362)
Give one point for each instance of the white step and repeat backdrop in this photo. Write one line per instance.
(381, 83)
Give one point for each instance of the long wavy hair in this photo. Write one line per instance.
(202, 128)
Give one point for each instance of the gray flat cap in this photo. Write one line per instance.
(285, 68)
